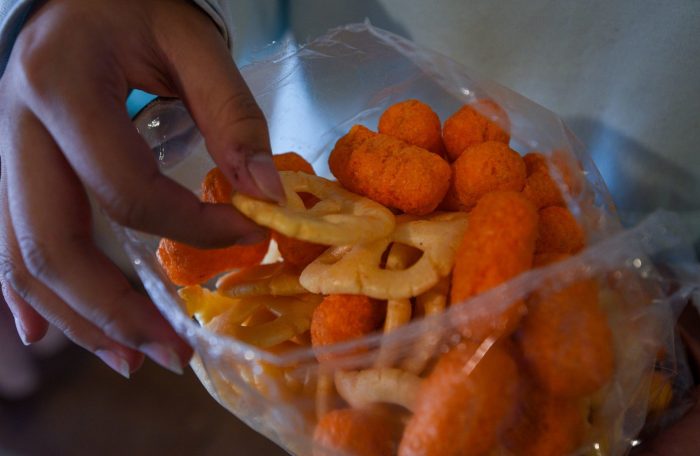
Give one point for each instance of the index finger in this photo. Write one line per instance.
(117, 166)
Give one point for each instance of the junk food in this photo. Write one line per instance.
(483, 168)
(295, 252)
(390, 171)
(353, 431)
(468, 126)
(339, 218)
(546, 425)
(370, 253)
(186, 265)
(384, 385)
(559, 232)
(540, 188)
(357, 269)
(498, 245)
(465, 403)
(413, 122)
(567, 342)
(340, 318)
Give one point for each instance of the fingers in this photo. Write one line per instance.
(51, 219)
(114, 162)
(224, 109)
(31, 325)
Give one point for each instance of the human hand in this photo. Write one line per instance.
(64, 130)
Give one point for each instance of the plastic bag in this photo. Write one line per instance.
(311, 97)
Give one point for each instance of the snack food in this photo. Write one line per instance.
(285, 392)
(469, 126)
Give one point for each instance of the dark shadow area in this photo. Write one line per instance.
(83, 408)
(640, 180)
(311, 18)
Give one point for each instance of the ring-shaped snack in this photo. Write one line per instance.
(339, 218)
(363, 388)
(357, 269)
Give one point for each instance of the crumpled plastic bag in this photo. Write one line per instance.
(312, 96)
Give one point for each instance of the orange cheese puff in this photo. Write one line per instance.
(486, 167)
(539, 186)
(292, 161)
(340, 318)
(395, 174)
(414, 122)
(354, 432)
(547, 425)
(216, 188)
(460, 409)
(559, 232)
(296, 252)
(186, 265)
(498, 245)
(342, 152)
(566, 341)
(467, 127)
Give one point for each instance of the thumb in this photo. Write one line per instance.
(224, 109)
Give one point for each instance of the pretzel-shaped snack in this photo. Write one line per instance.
(433, 302)
(339, 218)
(398, 311)
(357, 270)
(365, 387)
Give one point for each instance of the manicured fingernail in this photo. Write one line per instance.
(163, 355)
(116, 362)
(21, 332)
(267, 179)
(255, 237)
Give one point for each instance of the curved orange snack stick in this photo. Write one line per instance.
(463, 405)
(498, 245)
(414, 122)
(547, 425)
(567, 342)
(468, 126)
(186, 265)
(559, 232)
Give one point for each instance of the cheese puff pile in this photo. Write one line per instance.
(422, 217)
(390, 171)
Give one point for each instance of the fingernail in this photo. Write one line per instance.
(163, 355)
(116, 362)
(21, 332)
(267, 179)
(255, 237)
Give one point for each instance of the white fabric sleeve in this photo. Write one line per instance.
(12, 16)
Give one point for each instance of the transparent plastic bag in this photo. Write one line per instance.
(311, 97)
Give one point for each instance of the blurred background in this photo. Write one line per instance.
(622, 74)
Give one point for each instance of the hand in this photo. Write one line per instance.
(64, 130)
